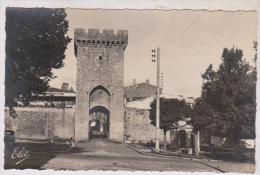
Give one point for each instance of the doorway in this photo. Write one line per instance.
(99, 122)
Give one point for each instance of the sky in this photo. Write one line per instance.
(189, 41)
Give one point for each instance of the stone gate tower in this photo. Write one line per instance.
(100, 83)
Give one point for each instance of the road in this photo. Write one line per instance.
(98, 154)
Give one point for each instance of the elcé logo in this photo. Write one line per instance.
(20, 154)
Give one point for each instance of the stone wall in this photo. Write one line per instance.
(138, 127)
(55, 123)
(41, 123)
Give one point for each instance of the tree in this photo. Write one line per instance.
(228, 98)
(171, 111)
(202, 119)
(202, 116)
(35, 45)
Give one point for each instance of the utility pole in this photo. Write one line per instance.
(157, 143)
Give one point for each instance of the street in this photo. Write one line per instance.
(99, 154)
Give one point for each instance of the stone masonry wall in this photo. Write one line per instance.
(138, 127)
(41, 123)
(54, 123)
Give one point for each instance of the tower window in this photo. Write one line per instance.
(100, 58)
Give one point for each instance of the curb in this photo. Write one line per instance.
(174, 157)
(154, 155)
(205, 159)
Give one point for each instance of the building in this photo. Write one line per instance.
(55, 97)
(138, 127)
(140, 90)
(100, 82)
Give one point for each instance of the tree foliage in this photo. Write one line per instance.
(202, 116)
(35, 44)
(227, 105)
(171, 111)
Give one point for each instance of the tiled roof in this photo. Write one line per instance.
(145, 102)
(140, 84)
(52, 89)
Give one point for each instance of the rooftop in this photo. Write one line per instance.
(52, 89)
(145, 102)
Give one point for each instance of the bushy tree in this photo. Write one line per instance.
(228, 101)
(35, 44)
(171, 111)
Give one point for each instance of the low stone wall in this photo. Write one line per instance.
(39, 123)
(42, 123)
(138, 127)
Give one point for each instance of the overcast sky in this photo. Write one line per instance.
(189, 42)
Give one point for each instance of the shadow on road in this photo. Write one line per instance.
(31, 155)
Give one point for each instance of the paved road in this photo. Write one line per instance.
(102, 155)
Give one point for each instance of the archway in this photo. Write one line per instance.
(99, 114)
(182, 137)
(99, 122)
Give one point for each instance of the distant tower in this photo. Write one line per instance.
(100, 82)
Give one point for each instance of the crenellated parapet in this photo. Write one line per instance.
(106, 38)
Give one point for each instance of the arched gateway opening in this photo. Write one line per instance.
(99, 123)
(99, 115)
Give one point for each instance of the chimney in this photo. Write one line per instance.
(65, 86)
(71, 89)
(134, 81)
(147, 81)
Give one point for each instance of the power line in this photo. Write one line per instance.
(181, 34)
(174, 29)
(173, 32)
